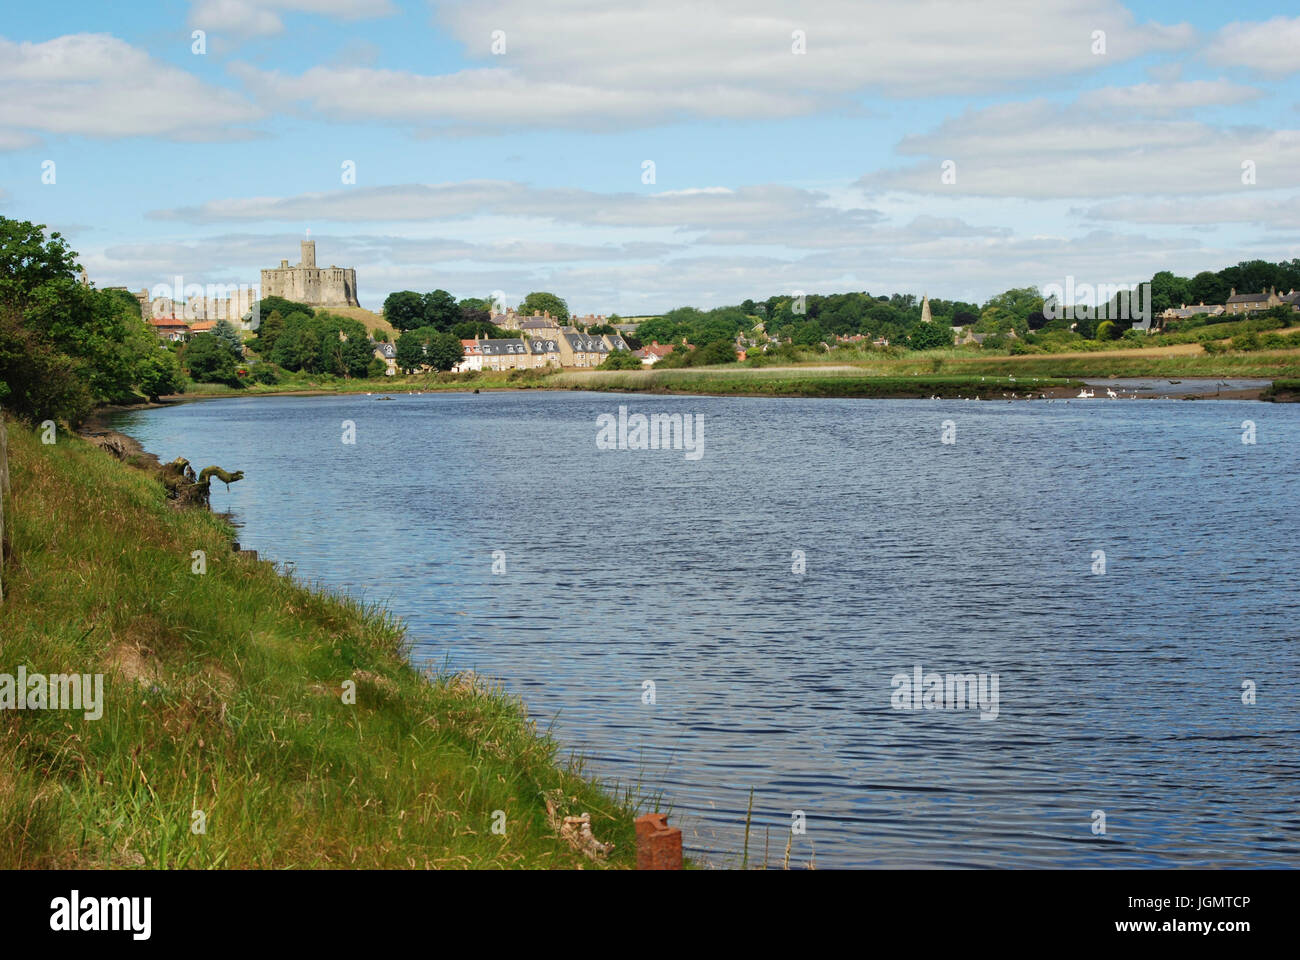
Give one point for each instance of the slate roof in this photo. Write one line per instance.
(582, 343)
(1184, 312)
(1248, 298)
(493, 348)
(544, 346)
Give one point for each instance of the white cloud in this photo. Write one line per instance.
(580, 64)
(96, 85)
(1041, 149)
(263, 17)
(1164, 99)
(1262, 209)
(1268, 48)
(758, 214)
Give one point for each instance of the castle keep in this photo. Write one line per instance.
(307, 283)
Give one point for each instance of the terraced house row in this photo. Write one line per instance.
(553, 348)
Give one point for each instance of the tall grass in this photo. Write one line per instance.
(224, 694)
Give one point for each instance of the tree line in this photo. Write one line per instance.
(64, 346)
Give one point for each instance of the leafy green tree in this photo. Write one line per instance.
(36, 380)
(929, 336)
(808, 334)
(268, 304)
(620, 360)
(542, 302)
(445, 351)
(159, 374)
(410, 351)
(268, 331)
(298, 346)
(225, 332)
(1168, 290)
(210, 361)
(357, 354)
(470, 329)
(720, 351)
(440, 310)
(404, 310)
(28, 261)
(1207, 287)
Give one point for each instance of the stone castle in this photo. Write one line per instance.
(307, 283)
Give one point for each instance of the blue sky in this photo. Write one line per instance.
(774, 170)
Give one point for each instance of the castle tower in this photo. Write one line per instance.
(925, 308)
(308, 253)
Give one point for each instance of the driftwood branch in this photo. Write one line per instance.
(183, 486)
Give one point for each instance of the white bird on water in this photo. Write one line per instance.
(1111, 393)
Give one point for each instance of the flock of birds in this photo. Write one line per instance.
(1083, 394)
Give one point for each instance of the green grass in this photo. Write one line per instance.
(223, 694)
(1283, 391)
(800, 382)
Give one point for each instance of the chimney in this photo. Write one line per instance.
(1232, 291)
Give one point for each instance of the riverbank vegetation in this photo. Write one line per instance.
(227, 737)
(66, 347)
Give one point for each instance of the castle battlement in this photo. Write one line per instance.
(307, 283)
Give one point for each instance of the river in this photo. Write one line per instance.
(1119, 693)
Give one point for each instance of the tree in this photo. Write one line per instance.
(1208, 287)
(444, 351)
(268, 331)
(928, 336)
(1107, 330)
(28, 261)
(159, 374)
(267, 305)
(67, 346)
(410, 351)
(225, 332)
(404, 310)
(209, 361)
(808, 334)
(621, 360)
(469, 329)
(542, 302)
(720, 351)
(357, 354)
(1168, 290)
(440, 310)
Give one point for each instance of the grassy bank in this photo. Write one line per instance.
(1283, 391)
(801, 382)
(223, 693)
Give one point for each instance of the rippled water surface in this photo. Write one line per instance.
(1118, 692)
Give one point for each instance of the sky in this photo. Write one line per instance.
(637, 156)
